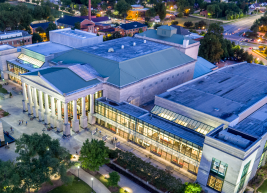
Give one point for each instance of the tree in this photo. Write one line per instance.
(261, 62)
(188, 24)
(10, 181)
(156, 26)
(62, 8)
(38, 12)
(93, 154)
(36, 38)
(192, 188)
(46, 11)
(77, 25)
(210, 48)
(122, 7)
(84, 11)
(180, 15)
(114, 178)
(140, 30)
(161, 10)
(40, 156)
(51, 18)
(216, 29)
(40, 29)
(50, 27)
(175, 22)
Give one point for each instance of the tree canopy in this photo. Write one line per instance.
(122, 7)
(113, 179)
(36, 38)
(93, 154)
(51, 26)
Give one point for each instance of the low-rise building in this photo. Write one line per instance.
(167, 35)
(44, 26)
(37, 56)
(15, 38)
(130, 28)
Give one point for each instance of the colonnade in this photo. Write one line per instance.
(30, 104)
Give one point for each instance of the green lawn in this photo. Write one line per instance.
(263, 188)
(76, 187)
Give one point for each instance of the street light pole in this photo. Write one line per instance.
(92, 184)
(78, 172)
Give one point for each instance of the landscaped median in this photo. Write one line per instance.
(260, 53)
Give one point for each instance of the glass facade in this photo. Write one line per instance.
(16, 69)
(217, 174)
(152, 134)
(14, 79)
(243, 176)
(182, 120)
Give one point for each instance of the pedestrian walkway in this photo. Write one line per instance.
(97, 186)
(73, 144)
(124, 182)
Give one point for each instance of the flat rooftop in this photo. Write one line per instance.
(224, 93)
(124, 107)
(255, 124)
(175, 38)
(47, 48)
(76, 34)
(129, 51)
(157, 121)
(5, 47)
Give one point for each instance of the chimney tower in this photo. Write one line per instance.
(89, 10)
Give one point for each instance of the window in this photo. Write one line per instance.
(243, 176)
(215, 183)
(218, 167)
(262, 156)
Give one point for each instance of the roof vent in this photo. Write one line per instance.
(135, 25)
(122, 46)
(216, 109)
(110, 50)
(144, 41)
(134, 44)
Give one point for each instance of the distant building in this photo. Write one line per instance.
(181, 30)
(42, 25)
(29, 58)
(137, 11)
(204, 13)
(15, 38)
(130, 28)
(168, 35)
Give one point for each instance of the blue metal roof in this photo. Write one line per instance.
(132, 25)
(202, 67)
(42, 25)
(69, 20)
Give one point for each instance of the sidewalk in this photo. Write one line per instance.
(124, 182)
(98, 187)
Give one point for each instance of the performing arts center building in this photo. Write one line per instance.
(213, 126)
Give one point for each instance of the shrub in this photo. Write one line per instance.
(112, 154)
(1, 85)
(180, 15)
(3, 90)
(6, 114)
(114, 178)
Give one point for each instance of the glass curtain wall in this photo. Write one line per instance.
(16, 69)
(154, 133)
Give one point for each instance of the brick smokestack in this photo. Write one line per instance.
(89, 10)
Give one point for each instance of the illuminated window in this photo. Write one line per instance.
(33, 61)
(218, 167)
(215, 183)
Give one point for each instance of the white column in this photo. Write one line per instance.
(66, 126)
(83, 118)
(75, 122)
(24, 101)
(29, 100)
(59, 116)
(35, 108)
(90, 114)
(53, 114)
(41, 109)
(46, 114)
